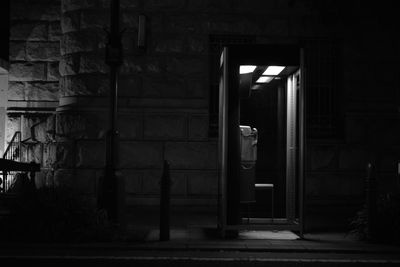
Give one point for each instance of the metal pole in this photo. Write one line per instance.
(165, 196)
(109, 199)
(371, 201)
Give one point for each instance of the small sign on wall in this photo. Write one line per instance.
(141, 40)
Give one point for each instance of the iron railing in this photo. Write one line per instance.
(14, 153)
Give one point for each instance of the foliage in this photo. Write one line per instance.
(359, 224)
(387, 220)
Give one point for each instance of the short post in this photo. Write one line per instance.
(32, 174)
(371, 201)
(3, 182)
(165, 196)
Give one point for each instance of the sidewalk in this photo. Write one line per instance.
(189, 247)
(194, 242)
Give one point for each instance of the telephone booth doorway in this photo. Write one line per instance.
(261, 95)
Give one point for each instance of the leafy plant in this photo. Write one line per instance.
(359, 224)
(387, 220)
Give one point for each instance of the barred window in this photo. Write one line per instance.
(323, 89)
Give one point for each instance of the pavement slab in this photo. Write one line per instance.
(191, 248)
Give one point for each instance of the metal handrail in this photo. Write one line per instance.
(16, 139)
(13, 152)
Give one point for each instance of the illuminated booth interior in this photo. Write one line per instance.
(261, 136)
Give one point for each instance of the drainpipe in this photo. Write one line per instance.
(110, 183)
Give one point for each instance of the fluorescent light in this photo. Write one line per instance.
(256, 87)
(264, 79)
(273, 70)
(243, 69)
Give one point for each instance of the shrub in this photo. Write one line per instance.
(387, 220)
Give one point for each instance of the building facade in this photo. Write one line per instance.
(58, 89)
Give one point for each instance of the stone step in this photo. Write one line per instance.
(196, 259)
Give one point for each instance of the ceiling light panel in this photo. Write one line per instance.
(273, 70)
(243, 69)
(264, 79)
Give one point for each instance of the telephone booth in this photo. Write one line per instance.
(261, 138)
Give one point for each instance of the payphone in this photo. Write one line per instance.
(248, 158)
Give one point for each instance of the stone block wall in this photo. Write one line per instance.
(162, 105)
(34, 51)
(33, 89)
(370, 99)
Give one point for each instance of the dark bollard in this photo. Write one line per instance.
(371, 201)
(165, 196)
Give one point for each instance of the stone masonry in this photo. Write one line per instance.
(162, 108)
(33, 89)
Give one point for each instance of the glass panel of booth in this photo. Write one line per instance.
(289, 74)
(222, 141)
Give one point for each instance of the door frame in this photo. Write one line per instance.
(229, 134)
